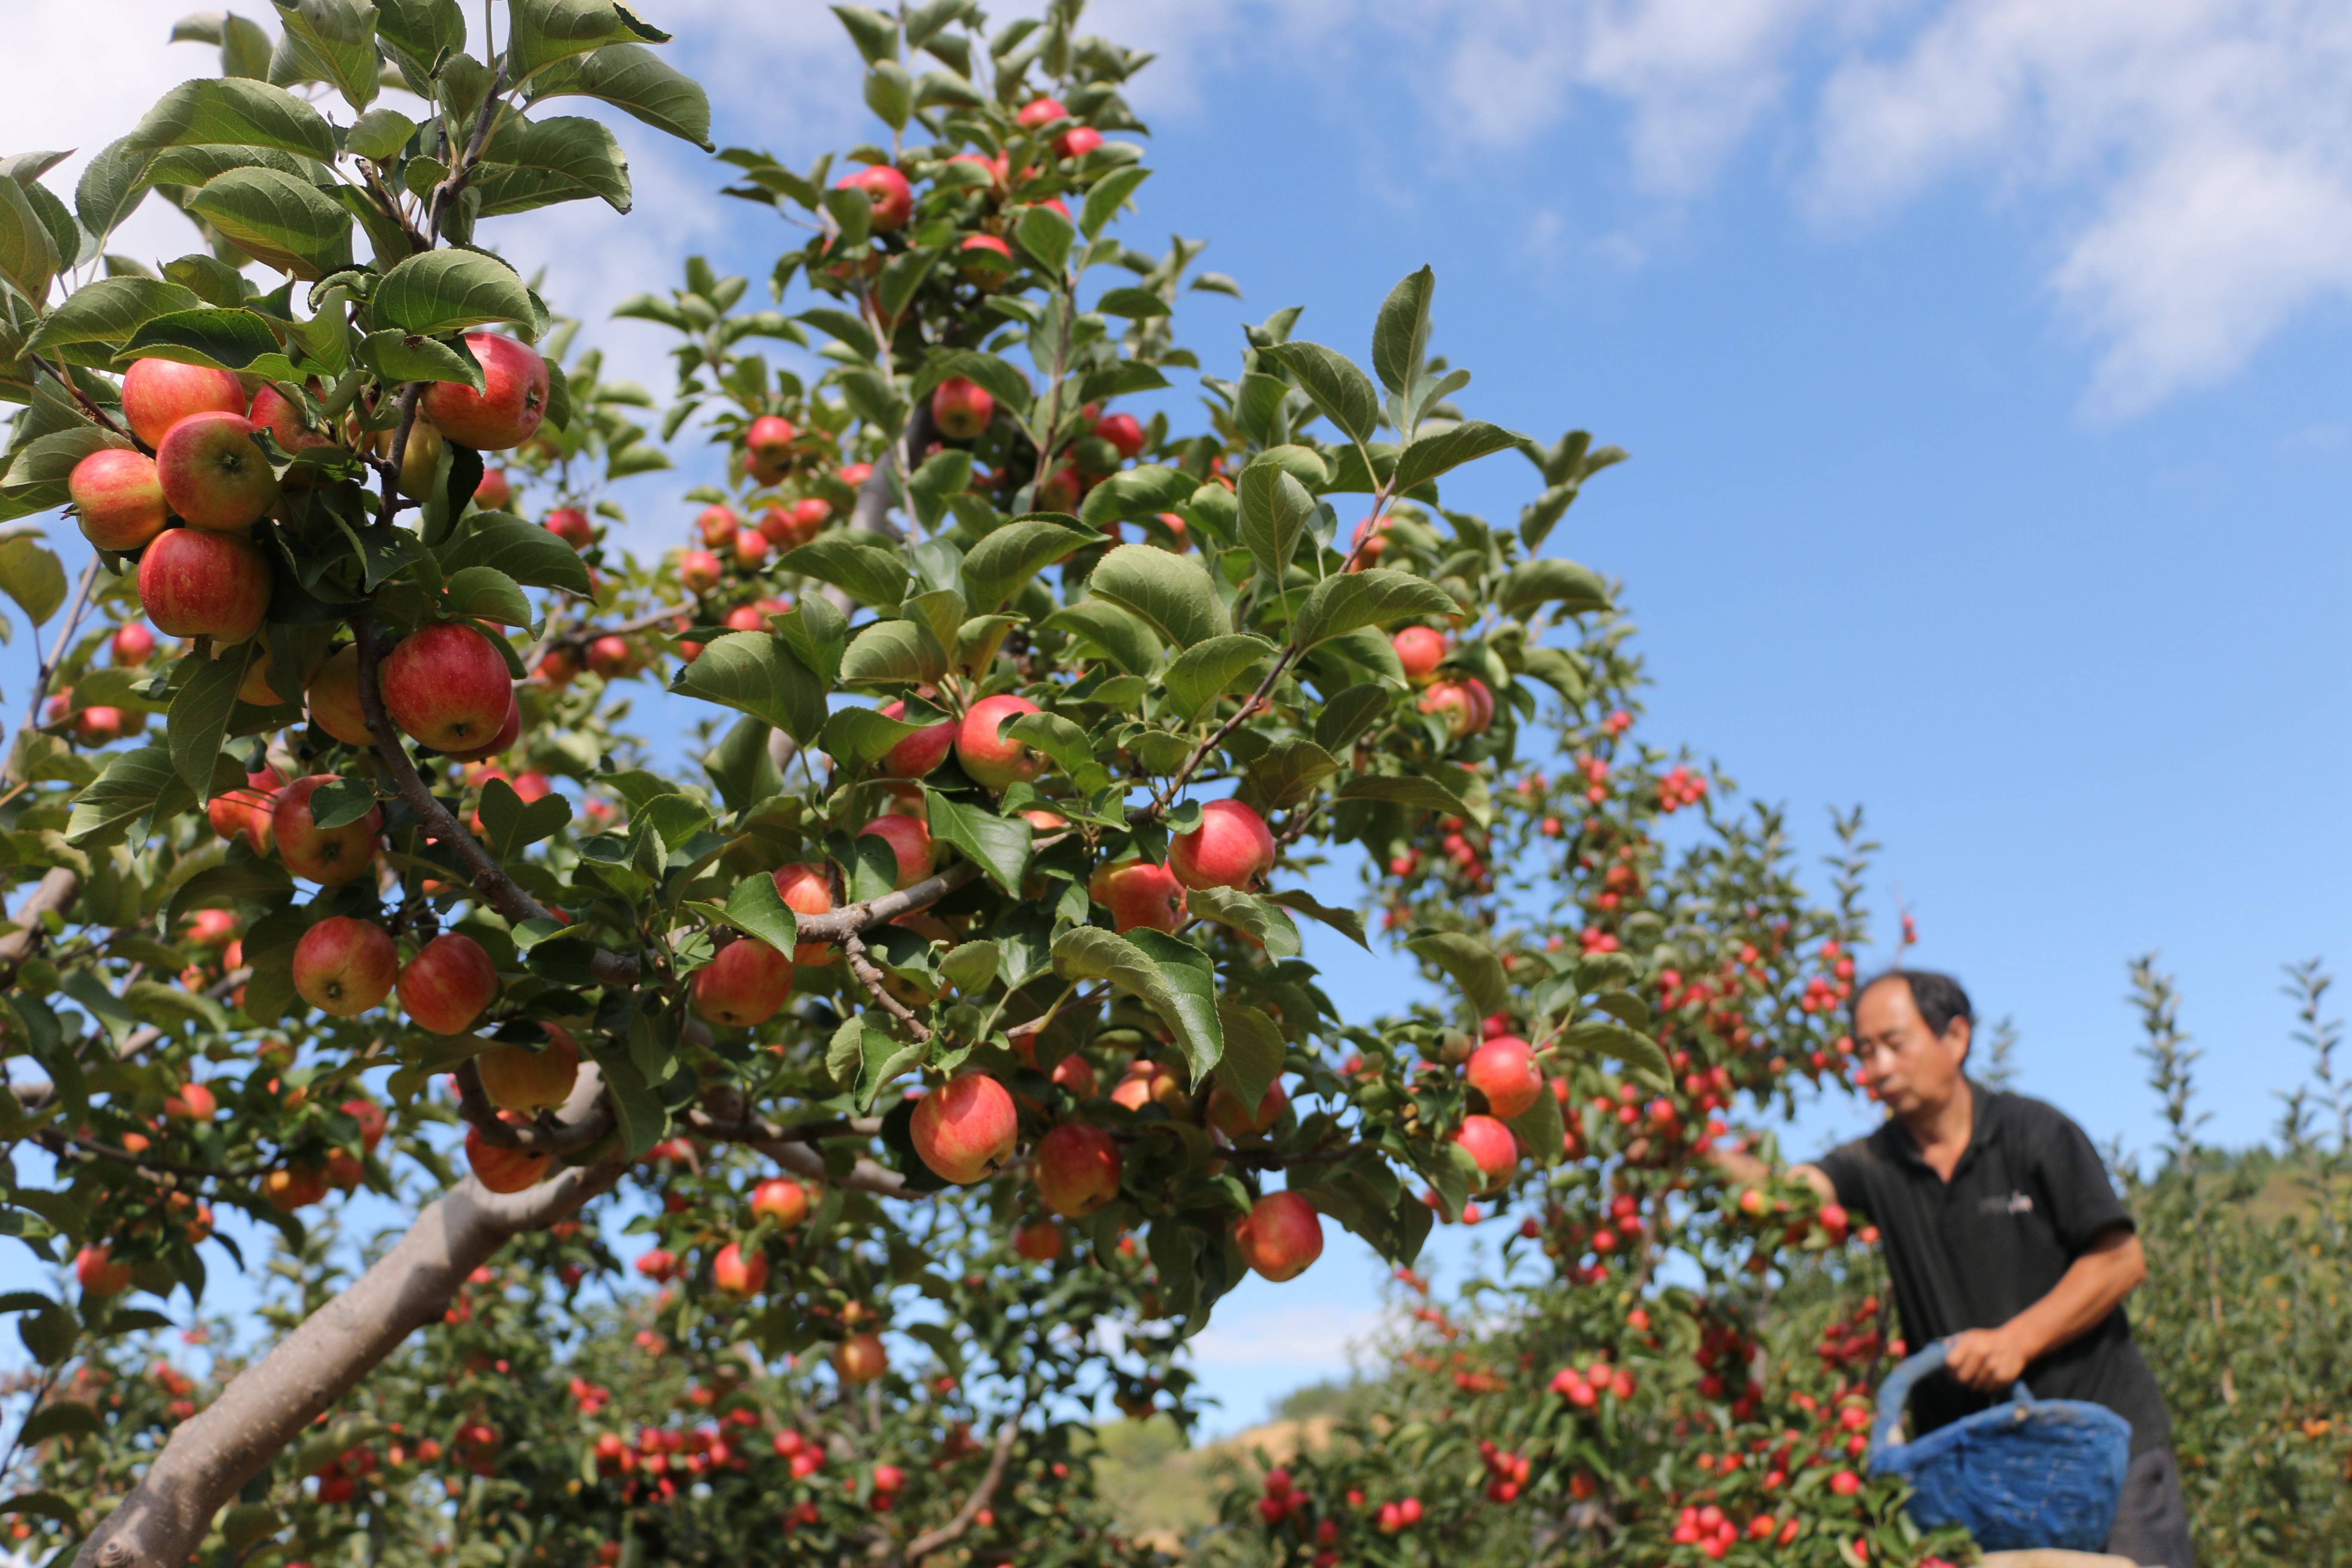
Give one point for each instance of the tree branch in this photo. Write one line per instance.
(862, 968)
(55, 891)
(585, 1117)
(792, 1148)
(932, 1540)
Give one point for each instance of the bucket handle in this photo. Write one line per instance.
(1896, 1393)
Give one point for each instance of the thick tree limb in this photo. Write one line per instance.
(792, 1147)
(55, 891)
(269, 1405)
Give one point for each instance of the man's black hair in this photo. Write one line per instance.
(1939, 997)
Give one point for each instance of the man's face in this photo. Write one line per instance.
(1905, 1064)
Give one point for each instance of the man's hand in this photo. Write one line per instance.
(1986, 1359)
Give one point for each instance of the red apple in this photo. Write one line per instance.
(1074, 1075)
(133, 642)
(1281, 1236)
(214, 473)
(195, 583)
(1420, 650)
(988, 757)
(334, 698)
(807, 890)
(919, 753)
(157, 393)
(94, 1268)
(610, 655)
(1058, 491)
(1076, 1169)
(767, 448)
(965, 1128)
(98, 726)
(1123, 433)
(255, 688)
(345, 966)
(887, 189)
(781, 1201)
(494, 491)
(516, 1077)
(447, 687)
(909, 839)
(1038, 1241)
(960, 409)
(1151, 1083)
(1490, 1144)
(371, 1120)
(749, 547)
(446, 987)
(195, 1103)
(699, 571)
(810, 515)
(118, 497)
(569, 524)
(1465, 705)
(1235, 1119)
(984, 274)
(506, 411)
(736, 1274)
(1138, 893)
(326, 856)
(860, 1359)
(1232, 848)
(293, 1188)
(717, 524)
(1077, 142)
(744, 985)
(509, 732)
(503, 1169)
(1504, 1069)
(1040, 112)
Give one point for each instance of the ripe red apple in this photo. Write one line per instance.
(1076, 1169)
(506, 411)
(749, 547)
(371, 1120)
(195, 1103)
(807, 890)
(1504, 1069)
(809, 515)
(1073, 1074)
(989, 758)
(1420, 650)
(1280, 1237)
(97, 1272)
(292, 1187)
(446, 987)
(326, 856)
(503, 1169)
(1077, 142)
(195, 583)
(1123, 432)
(334, 698)
(345, 966)
(494, 491)
(919, 753)
(447, 687)
(214, 473)
(157, 393)
(1490, 1144)
(781, 1201)
(211, 928)
(610, 655)
(1232, 848)
(960, 409)
(860, 1359)
(118, 497)
(1235, 1119)
(983, 274)
(1037, 1241)
(1058, 491)
(699, 571)
(519, 1079)
(98, 726)
(1040, 112)
(909, 838)
(273, 411)
(737, 1274)
(717, 524)
(509, 732)
(1138, 893)
(744, 985)
(133, 642)
(1465, 705)
(887, 189)
(965, 1128)
(767, 448)
(1151, 1083)
(569, 524)
(744, 619)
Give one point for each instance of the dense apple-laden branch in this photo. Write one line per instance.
(953, 1530)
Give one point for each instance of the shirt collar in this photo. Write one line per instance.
(1985, 1120)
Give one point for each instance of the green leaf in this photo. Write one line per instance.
(560, 158)
(47, 1505)
(1401, 333)
(1123, 638)
(1342, 393)
(282, 222)
(1434, 454)
(198, 723)
(448, 291)
(816, 633)
(1374, 597)
(1539, 1129)
(545, 31)
(636, 81)
(753, 673)
(1045, 235)
(524, 551)
(740, 766)
(1275, 513)
(997, 844)
(135, 783)
(334, 41)
(1347, 922)
(1072, 750)
(28, 255)
(109, 311)
(1551, 580)
(970, 966)
(1606, 1037)
(996, 567)
(644, 1120)
(1254, 1052)
(875, 35)
(217, 339)
(1472, 964)
(1348, 714)
(1170, 594)
(890, 93)
(112, 186)
(1133, 304)
(997, 377)
(1248, 913)
(894, 653)
(510, 824)
(64, 1418)
(1207, 670)
(1418, 791)
(860, 737)
(487, 594)
(31, 574)
(50, 1334)
(757, 909)
(1287, 772)
(1139, 493)
(873, 574)
(422, 30)
(397, 356)
(235, 881)
(235, 111)
(881, 1058)
(379, 135)
(1110, 194)
(1173, 978)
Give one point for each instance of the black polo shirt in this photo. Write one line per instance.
(2027, 1198)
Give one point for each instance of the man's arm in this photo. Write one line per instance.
(2109, 1270)
(1742, 1166)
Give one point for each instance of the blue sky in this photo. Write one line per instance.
(1981, 364)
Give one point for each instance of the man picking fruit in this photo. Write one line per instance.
(2002, 1235)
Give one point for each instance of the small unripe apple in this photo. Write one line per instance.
(960, 409)
(806, 891)
(132, 643)
(1076, 1169)
(1420, 650)
(328, 856)
(118, 497)
(446, 987)
(446, 686)
(992, 760)
(1037, 1241)
(420, 458)
(345, 966)
(503, 1169)
(334, 698)
(909, 838)
(781, 1201)
(737, 1274)
(214, 474)
(1280, 1237)
(569, 524)
(1138, 893)
(887, 189)
(97, 1274)
(965, 1128)
(1235, 1119)
(744, 985)
(519, 1079)
(197, 582)
(1489, 1144)
(699, 571)
(860, 1359)
(506, 411)
(921, 752)
(1504, 1071)
(1233, 847)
